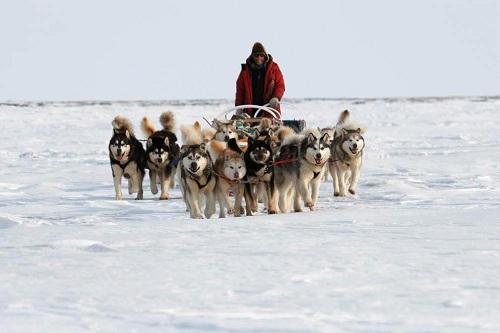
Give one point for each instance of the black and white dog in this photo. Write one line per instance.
(162, 153)
(302, 167)
(260, 174)
(127, 157)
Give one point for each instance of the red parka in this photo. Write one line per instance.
(274, 85)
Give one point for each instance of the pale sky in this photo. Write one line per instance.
(139, 50)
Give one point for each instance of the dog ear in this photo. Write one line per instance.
(149, 143)
(203, 147)
(358, 130)
(184, 149)
(325, 137)
(233, 145)
(344, 131)
(217, 123)
(127, 133)
(311, 138)
(167, 142)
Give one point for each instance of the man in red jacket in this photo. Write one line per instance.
(260, 81)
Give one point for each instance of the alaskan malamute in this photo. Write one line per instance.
(347, 155)
(127, 157)
(162, 152)
(197, 179)
(230, 170)
(301, 162)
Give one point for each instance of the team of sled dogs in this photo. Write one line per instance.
(275, 165)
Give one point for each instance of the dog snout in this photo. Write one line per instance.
(354, 145)
(318, 156)
(194, 165)
(236, 175)
(226, 138)
(119, 151)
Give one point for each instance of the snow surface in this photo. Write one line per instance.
(417, 250)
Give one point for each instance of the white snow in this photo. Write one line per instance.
(417, 250)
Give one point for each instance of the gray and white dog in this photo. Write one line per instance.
(347, 155)
(197, 179)
(127, 158)
(299, 168)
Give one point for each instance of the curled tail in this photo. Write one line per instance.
(147, 126)
(191, 134)
(344, 116)
(121, 125)
(167, 121)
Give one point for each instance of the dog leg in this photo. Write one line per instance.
(172, 177)
(248, 199)
(335, 179)
(165, 182)
(297, 207)
(240, 191)
(271, 198)
(354, 180)
(315, 184)
(342, 186)
(221, 200)
(139, 179)
(152, 181)
(209, 204)
(117, 180)
(194, 205)
(305, 194)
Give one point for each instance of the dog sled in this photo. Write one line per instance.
(246, 125)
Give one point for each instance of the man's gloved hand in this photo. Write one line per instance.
(274, 102)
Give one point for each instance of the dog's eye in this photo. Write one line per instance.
(197, 158)
(232, 167)
(239, 167)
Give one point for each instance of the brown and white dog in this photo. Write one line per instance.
(230, 170)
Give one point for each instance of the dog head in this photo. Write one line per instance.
(120, 146)
(195, 159)
(159, 149)
(234, 165)
(352, 141)
(260, 150)
(315, 147)
(224, 131)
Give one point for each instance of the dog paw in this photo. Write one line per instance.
(164, 197)
(119, 197)
(272, 211)
(230, 211)
(352, 191)
(139, 197)
(154, 190)
(297, 210)
(310, 205)
(336, 194)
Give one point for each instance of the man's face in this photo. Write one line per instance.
(259, 58)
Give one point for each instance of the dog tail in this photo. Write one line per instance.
(344, 116)
(346, 123)
(121, 124)
(208, 134)
(216, 148)
(284, 132)
(147, 126)
(167, 121)
(191, 134)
